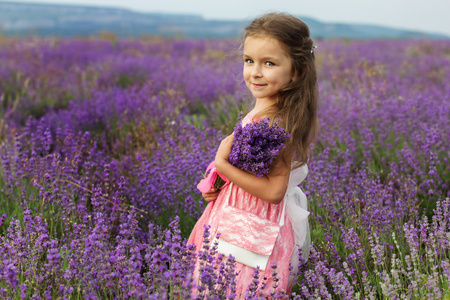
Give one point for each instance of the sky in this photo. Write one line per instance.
(420, 15)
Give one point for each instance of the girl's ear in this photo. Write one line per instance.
(294, 75)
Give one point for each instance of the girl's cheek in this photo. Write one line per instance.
(245, 73)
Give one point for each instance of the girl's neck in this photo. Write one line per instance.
(260, 105)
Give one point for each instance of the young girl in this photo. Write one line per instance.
(279, 70)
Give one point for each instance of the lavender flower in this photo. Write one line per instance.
(256, 146)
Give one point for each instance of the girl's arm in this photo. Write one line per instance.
(270, 188)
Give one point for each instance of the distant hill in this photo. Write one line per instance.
(25, 19)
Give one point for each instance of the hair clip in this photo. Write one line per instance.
(314, 47)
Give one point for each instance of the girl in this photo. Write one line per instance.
(279, 70)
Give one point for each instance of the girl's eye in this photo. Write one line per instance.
(248, 60)
(269, 63)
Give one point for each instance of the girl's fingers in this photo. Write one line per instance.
(209, 199)
(210, 196)
(224, 149)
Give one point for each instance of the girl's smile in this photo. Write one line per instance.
(258, 85)
(267, 68)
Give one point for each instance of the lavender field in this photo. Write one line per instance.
(103, 142)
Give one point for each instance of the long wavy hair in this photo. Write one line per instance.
(297, 103)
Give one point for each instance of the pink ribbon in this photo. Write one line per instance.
(205, 184)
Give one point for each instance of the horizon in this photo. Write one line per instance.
(370, 12)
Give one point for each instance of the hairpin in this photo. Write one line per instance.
(314, 47)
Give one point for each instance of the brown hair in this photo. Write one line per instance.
(296, 107)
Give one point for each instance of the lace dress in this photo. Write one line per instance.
(291, 213)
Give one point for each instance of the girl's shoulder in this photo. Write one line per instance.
(250, 118)
(256, 118)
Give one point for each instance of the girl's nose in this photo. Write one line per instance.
(256, 71)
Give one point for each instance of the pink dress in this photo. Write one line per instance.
(285, 246)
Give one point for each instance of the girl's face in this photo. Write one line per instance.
(267, 67)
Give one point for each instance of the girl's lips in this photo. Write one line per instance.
(258, 85)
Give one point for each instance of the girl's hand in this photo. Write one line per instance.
(224, 150)
(211, 195)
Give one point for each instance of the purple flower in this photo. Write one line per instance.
(256, 146)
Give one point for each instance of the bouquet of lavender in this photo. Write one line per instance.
(256, 146)
(254, 149)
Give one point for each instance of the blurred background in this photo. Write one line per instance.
(352, 19)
